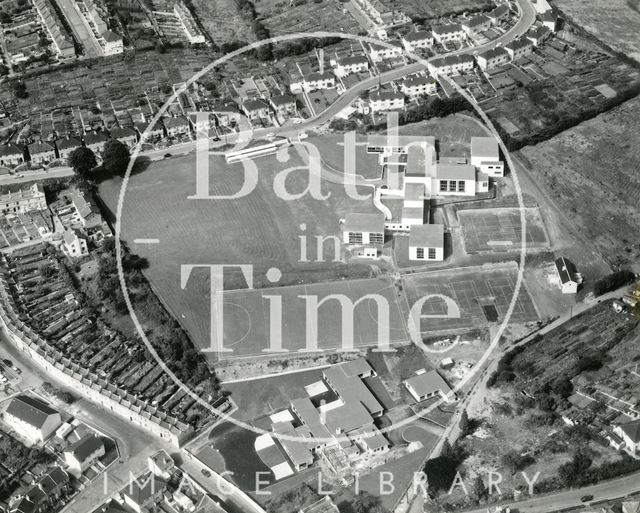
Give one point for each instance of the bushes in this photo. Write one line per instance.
(613, 281)
(441, 471)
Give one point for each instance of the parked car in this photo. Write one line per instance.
(205, 472)
(586, 498)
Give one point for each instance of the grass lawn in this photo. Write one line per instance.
(260, 229)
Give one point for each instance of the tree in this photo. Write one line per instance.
(82, 160)
(116, 157)
(574, 472)
(563, 387)
(479, 489)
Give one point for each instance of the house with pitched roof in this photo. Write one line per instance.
(283, 104)
(144, 493)
(386, 100)
(427, 384)
(255, 109)
(32, 418)
(95, 141)
(417, 86)
(75, 243)
(41, 152)
(80, 455)
(23, 200)
(67, 146)
(11, 155)
(126, 136)
(499, 13)
(352, 64)
(476, 24)
(416, 40)
(154, 133)
(317, 80)
(493, 58)
(567, 275)
(519, 48)
(42, 495)
(448, 32)
(381, 53)
(630, 434)
(177, 126)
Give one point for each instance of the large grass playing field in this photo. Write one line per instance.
(260, 229)
(247, 314)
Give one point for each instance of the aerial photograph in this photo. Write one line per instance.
(319, 256)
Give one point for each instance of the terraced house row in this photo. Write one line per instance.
(43, 317)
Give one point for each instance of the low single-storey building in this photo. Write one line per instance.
(426, 242)
(568, 276)
(427, 384)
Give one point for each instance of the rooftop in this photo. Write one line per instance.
(30, 410)
(427, 383)
(566, 270)
(372, 223)
(485, 147)
(455, 172)
(385, 95)
(420, 35)
(426, 236)
(253, 105)
(493, 53)
(447, 29)
(476, 20)
(354, 59)
(282, 99)
(85, 447)
(632, 430)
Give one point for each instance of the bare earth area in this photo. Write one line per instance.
(591, 171)
(615, 22)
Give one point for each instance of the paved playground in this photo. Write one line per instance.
(482, 295)
(500, 229)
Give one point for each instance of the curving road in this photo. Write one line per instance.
(527, 16)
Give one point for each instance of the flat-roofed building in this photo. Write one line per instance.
(485, 156)
(363, 229)
(454, 180)
(426, 242)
